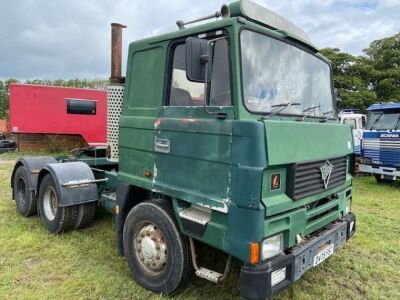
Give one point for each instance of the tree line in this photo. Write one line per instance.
(369, 78)
(360, 80)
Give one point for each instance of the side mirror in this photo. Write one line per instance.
(364, 121)
(198, 59)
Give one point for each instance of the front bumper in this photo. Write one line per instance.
(385, 172)
(256, 281)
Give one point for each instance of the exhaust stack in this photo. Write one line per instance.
(115, 93)
(116, 53)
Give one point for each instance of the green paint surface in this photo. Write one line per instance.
(290, 142)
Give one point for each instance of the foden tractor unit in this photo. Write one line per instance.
(223, 133)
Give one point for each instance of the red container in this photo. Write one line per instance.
(59, 110)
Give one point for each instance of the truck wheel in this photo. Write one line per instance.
(157, 253)
(55, 218)
(24, 197)
(380, 180)
(86, 213)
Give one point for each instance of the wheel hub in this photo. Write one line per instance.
(50, 203)
(151, 249)
(148, 247)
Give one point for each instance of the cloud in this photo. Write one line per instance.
(70, 38)
(348, 25)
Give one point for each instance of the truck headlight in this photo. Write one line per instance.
(272, 246)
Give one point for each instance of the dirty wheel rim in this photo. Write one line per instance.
(50, 203)
(21, 191)
(150, 248)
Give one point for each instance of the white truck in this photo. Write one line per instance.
(357, 122)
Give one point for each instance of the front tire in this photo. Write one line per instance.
(24, 197)
(55, 218)
(157, 253)
(381, 180)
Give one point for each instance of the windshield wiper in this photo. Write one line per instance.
(376, 121)
(281, 107)
(329, 113)
(307, 109)
(397, 124)
(314, 107)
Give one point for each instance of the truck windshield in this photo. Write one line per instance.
(275, 73)
(383, 120)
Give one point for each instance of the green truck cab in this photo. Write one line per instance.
(227, 135)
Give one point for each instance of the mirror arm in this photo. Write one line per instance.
(205, 59)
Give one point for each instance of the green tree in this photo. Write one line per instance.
(74, 82)
(370, 78)
(4, 92)
(384, 57)
(351, 76)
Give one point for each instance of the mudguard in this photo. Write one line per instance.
(72, 182)
(33, 165)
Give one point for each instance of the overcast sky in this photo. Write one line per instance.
(70, 38)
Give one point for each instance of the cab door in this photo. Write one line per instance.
(192, 145)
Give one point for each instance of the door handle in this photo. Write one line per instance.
(162, 145)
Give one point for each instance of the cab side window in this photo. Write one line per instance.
(220, 91)
(184, 92)
(351, 122)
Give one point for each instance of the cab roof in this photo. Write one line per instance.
(246, 10)
(268, 18)
(383, 106)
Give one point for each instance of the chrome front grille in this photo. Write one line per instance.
(382, 151)
(376, 144)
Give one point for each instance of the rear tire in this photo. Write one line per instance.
(86, 213)
(157, 253)
(23, 195)
(55, 218)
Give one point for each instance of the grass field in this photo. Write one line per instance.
(35, 264)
